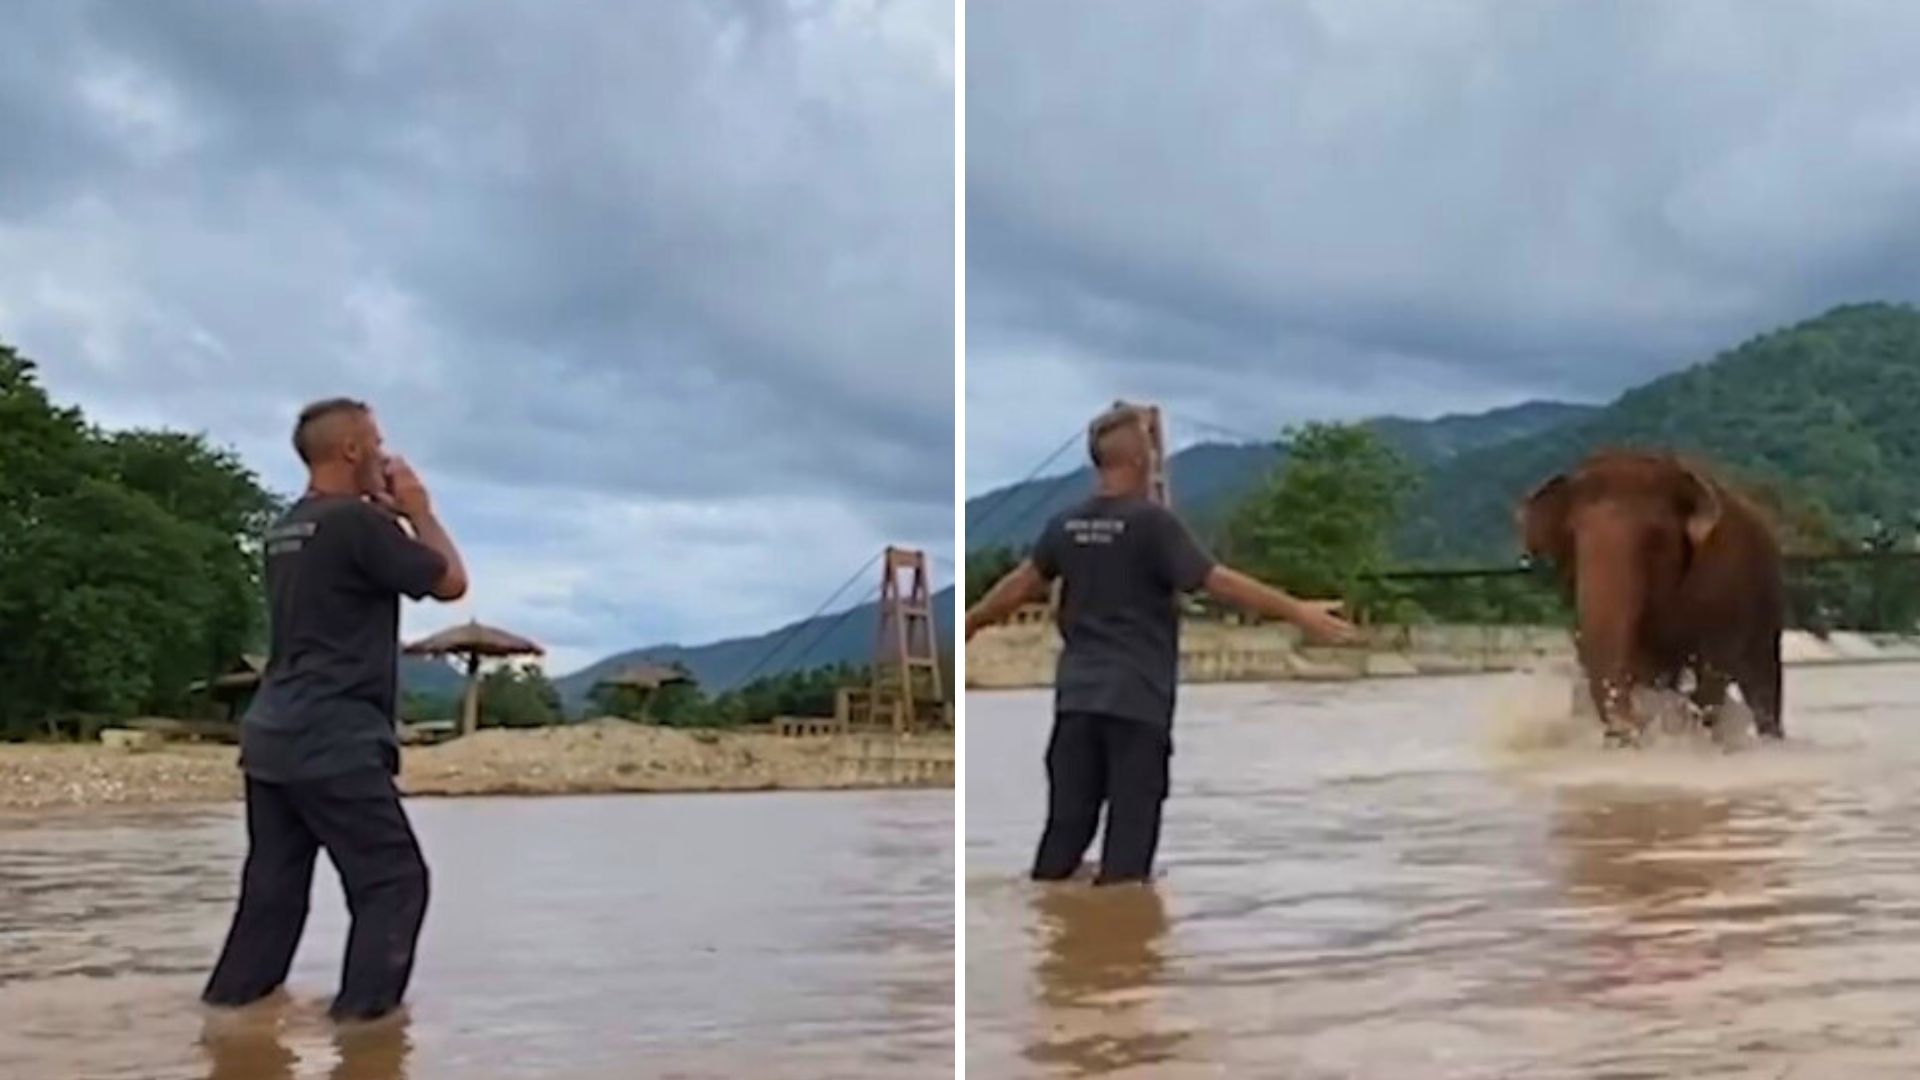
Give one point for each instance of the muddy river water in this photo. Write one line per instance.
(775, 935)
(1447, 878)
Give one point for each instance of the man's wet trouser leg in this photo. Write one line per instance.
(1137, 759)
(1076, 788)
(359, 820)
(274, 887)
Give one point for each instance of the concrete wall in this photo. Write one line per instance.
(890, 761)
(1023, 655)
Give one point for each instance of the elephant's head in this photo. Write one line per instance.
(1653, 510)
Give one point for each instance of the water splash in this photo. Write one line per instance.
(1549, 708)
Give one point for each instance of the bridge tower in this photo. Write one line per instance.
(906, 692)
(1158, 488)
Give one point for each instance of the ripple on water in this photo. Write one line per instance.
(1450, 878)
(780, 935)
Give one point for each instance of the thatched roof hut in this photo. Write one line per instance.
(473, 640)
(234, 685)
(647, 676)
(645, 680)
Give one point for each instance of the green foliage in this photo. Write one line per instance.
(674, 705)
(986, 567)
(1493, 600)
(518, 695)
(1824, 409)
(1322, 522)
(128, 567)
(796, 693)
(624, 702)
(417, 707)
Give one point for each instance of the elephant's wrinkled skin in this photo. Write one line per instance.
(1671, 572)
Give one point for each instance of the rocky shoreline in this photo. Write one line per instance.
(601, 757)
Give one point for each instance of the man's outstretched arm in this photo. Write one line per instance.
(1318, 618)
(1023, 585)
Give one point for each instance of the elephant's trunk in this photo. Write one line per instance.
(1610, 595)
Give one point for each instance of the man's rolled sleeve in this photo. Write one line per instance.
(395, 561)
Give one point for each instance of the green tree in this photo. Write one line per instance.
(127, 565)
(418, 707)
(987, 566)
(1323, 520)
(518, 695)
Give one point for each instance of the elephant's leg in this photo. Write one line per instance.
(1759, 680)
(1709, 693)
(1613, 700)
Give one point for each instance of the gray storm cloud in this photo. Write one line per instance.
(1272, 212)
(587, 255)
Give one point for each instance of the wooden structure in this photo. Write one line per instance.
(1158, 487)
(646, 679)
(800, 727)
(905, 692)
(234, 687)
(473, 641)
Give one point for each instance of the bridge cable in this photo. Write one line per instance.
(987, 513)
(793, 631)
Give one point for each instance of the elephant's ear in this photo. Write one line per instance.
(1700, 502)
(1542, 519)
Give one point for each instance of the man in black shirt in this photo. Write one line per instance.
(1124, 561)
(318, 744)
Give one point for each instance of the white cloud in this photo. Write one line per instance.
(1302, 209)
(648, 292)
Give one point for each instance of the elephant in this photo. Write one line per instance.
(1671, 572)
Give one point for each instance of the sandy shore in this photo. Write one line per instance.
(599, 757)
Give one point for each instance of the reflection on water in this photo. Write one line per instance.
(254, 1044)
(778, 935)
(1101, 948)
(1445, 878)
(1668, 866)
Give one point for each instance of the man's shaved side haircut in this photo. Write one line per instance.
(1112, 430)
(318, 432)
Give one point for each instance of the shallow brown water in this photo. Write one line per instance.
(779, 935)
(1447, 879)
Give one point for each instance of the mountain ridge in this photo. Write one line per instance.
(1208, 477)
(1821, 411)
(845, 636)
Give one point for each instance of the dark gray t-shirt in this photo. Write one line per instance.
(336, 569)
(1124, 564)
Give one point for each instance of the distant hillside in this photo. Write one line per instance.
(1829, 408)
(722, 665)
(1209, 478)
(421, 675)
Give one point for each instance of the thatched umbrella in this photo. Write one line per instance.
(646, 678)
(233, 686)
(473, 641)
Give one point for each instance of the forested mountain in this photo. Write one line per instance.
(1827, 410)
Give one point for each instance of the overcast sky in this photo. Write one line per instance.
(657, 296)
(1260, 213)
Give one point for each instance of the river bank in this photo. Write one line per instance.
(1022, 655)
(599, 757)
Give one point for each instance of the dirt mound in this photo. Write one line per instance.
(596, 756)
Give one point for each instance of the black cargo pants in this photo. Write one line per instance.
(1095, 760)
(359, 820)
